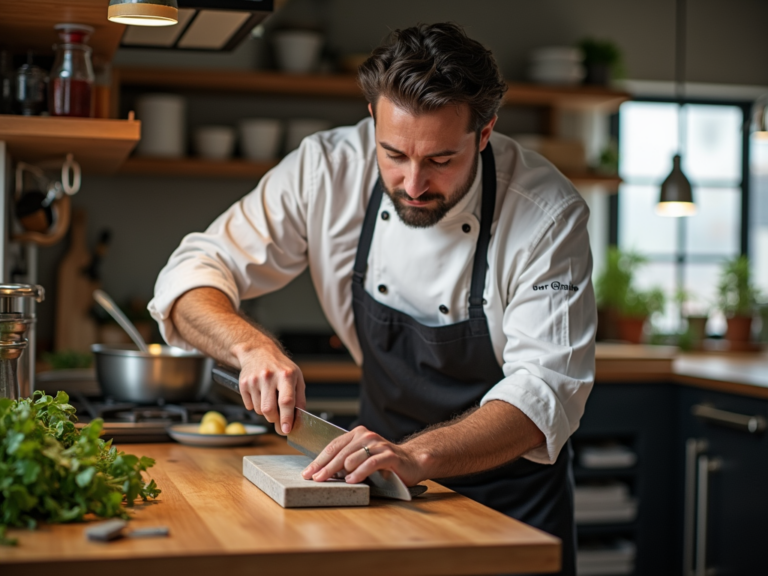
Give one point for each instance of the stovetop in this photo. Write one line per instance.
(129, 423)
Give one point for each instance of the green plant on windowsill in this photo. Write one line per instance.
(625, 308)
(737, 298)
(603, 61)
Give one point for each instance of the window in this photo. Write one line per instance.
(683, 253)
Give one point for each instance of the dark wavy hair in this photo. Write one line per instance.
(428, 66)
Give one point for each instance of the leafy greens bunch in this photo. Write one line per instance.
(52, 471)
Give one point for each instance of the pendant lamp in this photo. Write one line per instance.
(144, 12)
(676, 198)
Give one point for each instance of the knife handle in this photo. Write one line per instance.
(227, 376)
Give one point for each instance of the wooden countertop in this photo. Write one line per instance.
(220, 523)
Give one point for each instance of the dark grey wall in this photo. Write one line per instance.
(149, 216)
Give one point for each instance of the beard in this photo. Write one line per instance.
(416, 217)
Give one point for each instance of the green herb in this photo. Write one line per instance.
(605, 53)
(51, 471)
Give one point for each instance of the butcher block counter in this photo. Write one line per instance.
(222, 524)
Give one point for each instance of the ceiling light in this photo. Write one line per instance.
(676, 198)
(676, 194)
(144, 12)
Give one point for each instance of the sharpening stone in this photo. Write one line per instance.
(279, 477)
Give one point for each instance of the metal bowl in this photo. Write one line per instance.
(164, 373)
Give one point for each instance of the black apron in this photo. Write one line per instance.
(416, 375)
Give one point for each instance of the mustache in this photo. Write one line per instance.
(426, 197)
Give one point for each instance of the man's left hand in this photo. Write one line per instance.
(346, 457)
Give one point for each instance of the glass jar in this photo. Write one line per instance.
(30, 89)
(71, 82)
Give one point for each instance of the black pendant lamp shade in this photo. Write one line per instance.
(676, 193)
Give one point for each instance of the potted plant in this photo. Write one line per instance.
(696, 317)
(622, 308)
(737, 297)
(602, 61)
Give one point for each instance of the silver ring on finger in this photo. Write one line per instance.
(367, 452)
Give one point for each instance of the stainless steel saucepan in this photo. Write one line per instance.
(162, 373)
(153, 372)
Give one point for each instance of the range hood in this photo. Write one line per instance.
(209, 25)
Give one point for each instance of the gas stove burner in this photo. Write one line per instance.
(167, 414)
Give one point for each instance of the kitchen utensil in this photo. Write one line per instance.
(164, 373)
(14, 325)
(298, 51)
(109, 305)
(300, 128)
(75, 327)
(215, 142)
(163, 125)
(311, 434)
(188, 434)
(260, 138)
(72, 77)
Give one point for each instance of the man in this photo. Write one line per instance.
(454, 265)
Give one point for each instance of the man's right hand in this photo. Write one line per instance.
(272, 385)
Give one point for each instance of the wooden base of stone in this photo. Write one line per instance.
(279, 477)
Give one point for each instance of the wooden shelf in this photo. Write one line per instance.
(99, 146)
(345, 86)
(196, 167)
(609, 183)
(28, 25)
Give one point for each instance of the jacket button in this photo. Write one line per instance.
(385, 215)
(443, 308)
(382, 288)
(466, 228)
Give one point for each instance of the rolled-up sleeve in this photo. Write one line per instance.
(257, 246)
(550, 322)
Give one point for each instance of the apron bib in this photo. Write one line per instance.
(416, 375)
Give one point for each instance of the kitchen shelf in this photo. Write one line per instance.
(28, 25)
(345, 86)
(196, 167)
(609, 183)
(248, 169)
(100, 146)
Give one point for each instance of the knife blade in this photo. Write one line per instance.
(310, 435)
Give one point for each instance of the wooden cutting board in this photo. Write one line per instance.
(75, 327)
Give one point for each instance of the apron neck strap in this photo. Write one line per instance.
(480, 264)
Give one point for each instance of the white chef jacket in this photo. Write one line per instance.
(308, 211)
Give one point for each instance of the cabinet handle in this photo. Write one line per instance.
(750, 424)
(693, 447)
(705, 466)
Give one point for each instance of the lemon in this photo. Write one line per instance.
(215, 416)
(212, 426)
(236, 428)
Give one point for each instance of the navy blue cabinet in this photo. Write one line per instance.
(725, 483)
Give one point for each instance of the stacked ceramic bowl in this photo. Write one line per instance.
(556, 65)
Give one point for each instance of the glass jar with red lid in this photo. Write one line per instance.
(71, 81)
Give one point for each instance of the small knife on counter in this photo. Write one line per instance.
(310, 435)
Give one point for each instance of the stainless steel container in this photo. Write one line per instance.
(164, 373)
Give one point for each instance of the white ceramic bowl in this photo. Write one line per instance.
(215, 142)
(260, 138)
(298, 51)
(300, 128)
(557, 54)
(188, 434)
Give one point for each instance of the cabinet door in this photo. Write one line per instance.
(737, 502)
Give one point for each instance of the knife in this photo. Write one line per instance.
(310, 435)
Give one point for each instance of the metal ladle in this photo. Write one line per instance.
(109, 305)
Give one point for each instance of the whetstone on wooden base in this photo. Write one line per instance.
(279, 477)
